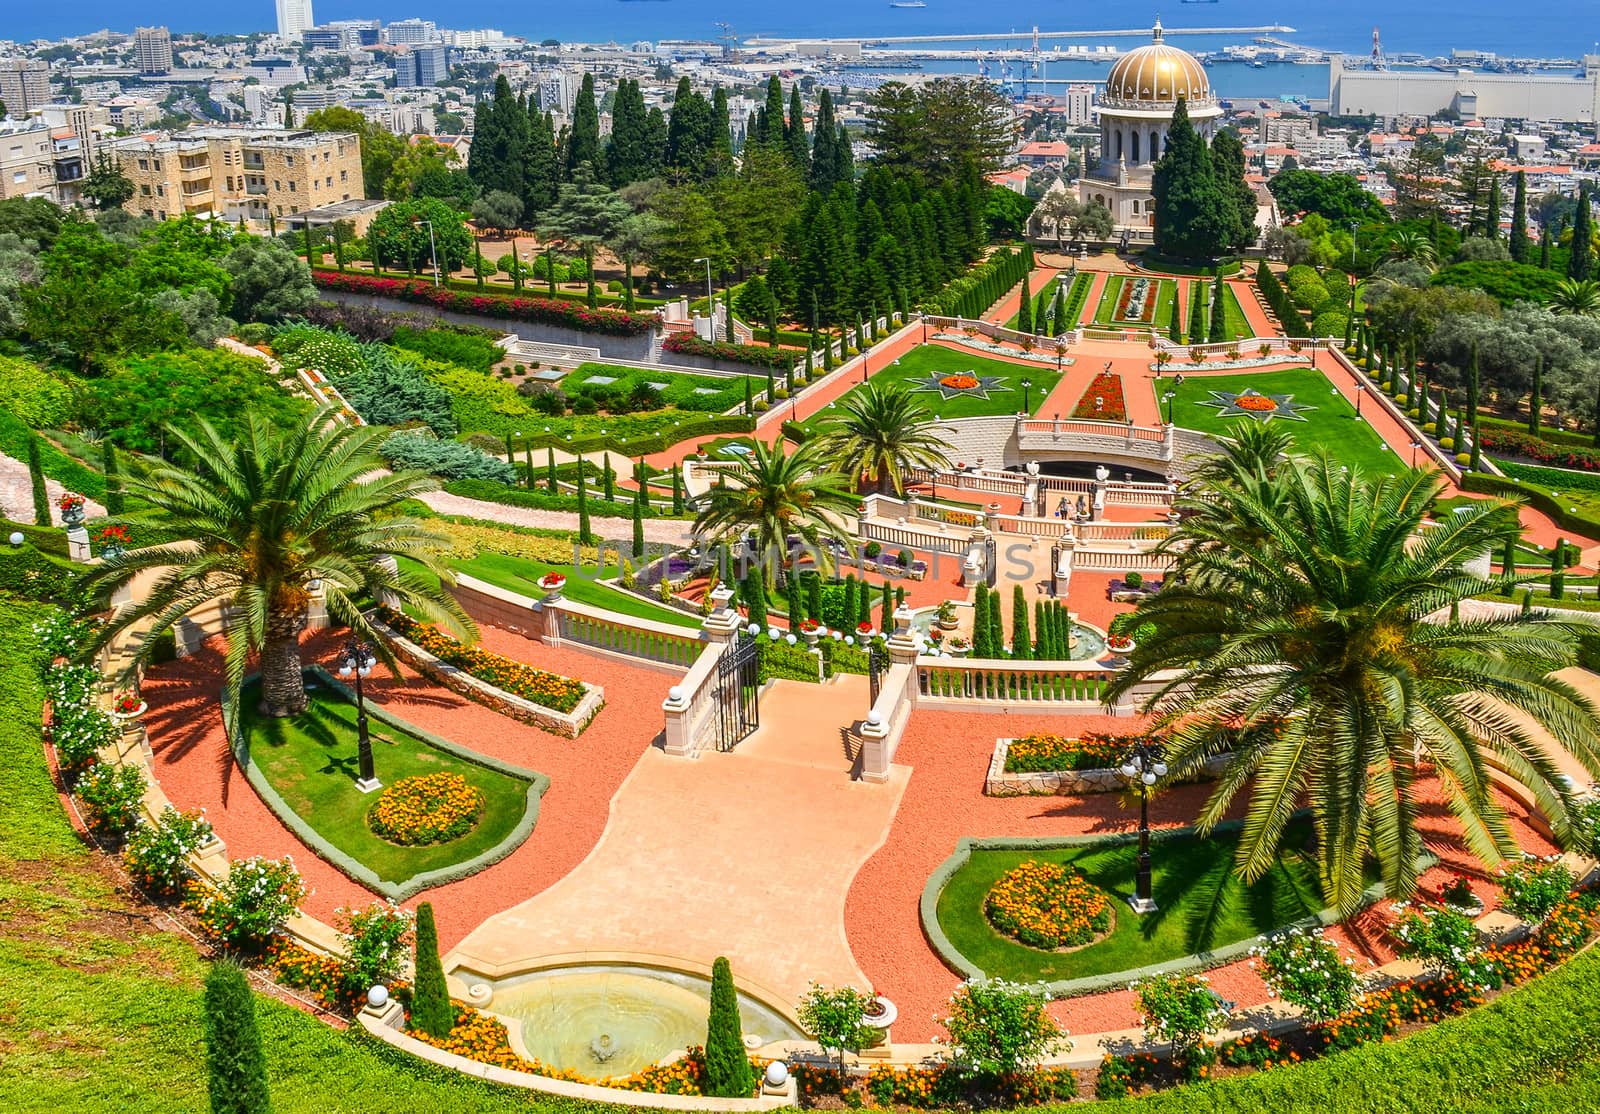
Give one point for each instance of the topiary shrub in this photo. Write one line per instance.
(727, 1064)
(1447, 443)
(431, 1011)
(236, 1068)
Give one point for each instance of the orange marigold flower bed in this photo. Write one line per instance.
(959, 382)
(429, 808)
(1259, 403)
(1111, 407)
(1033, 754)
(1045, 905)
(549, 690)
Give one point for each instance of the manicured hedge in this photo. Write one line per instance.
(1541, 500)
(491, 492)
(970, 294)
(640, 446)
(1554, 478)
(756, 355)
(1276, 297)
(542, 311)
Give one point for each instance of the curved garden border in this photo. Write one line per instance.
(395, 891)
(951, 957)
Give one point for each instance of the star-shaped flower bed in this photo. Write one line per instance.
(1251, 403)
(961, 384)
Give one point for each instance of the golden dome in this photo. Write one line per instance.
(1157, 74)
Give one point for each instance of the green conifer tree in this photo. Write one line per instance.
(236, 1067)
(1025, 309)
(638, 521)
(755, 594)
(1536, 395)
(551, 477)
(585, 534)
(793, 603)
(431, 1010)
(1219, 319)
(980, 623)
(814, 597)
(1021, 645)
(1041, 647)
(1193, 220)
(41, 494)
(727, 1063)
(1519, 218)
(847, 613)
(886, 609)
(1175, 320)
(1580, 263)
(1197, 316)
(677, 490)
(608, 480)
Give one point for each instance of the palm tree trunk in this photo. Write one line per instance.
(283, 689)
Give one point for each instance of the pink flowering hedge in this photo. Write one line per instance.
(542, 311)
(759, 355)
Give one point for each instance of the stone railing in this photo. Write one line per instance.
(979, 479)
(556, 620)
(1095, 438)
(886, 722)
(1152, 533)
(1001, 333)
(912, 537)
(1002, 685)
(1132, 559)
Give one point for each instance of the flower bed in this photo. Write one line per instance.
(961, 381)
(1046, 357)
(1518, 443)
(757, 355)
(1247, 362)
(543, 311)
(1045, 905)
(1037, 753)
(550, 690)
(431, 808)
(1137, 302)
(1106, 390)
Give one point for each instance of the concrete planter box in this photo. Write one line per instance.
(568, 724)
(1066, 783)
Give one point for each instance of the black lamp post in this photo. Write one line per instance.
(1167, 397)
(1361, 392)
(356, 660)
(1143, 767)
(1415, 445)
(1027, 385)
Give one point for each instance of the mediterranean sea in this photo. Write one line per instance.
(1428, 27)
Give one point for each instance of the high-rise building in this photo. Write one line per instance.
(422, 65)
(294, 19)
(152, 47)
(24, 84)
(410, 32)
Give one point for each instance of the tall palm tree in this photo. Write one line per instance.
(265, 516)
(776, 495)
(1317, 653)
(1576, 297)
(1412, 243)
(879, 433)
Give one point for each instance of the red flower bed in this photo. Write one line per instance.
(543, 311)
(1109, 389)
(1517, 443)
(688, 344)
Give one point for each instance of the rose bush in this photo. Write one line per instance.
(543, 311)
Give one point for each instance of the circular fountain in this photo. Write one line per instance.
(609, 1021)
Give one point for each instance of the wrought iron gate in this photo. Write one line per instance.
(738, 692)
(877, 666)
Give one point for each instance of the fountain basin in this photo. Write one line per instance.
(1088, 643)
(607, 1021)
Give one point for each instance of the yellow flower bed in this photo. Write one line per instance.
(1045, 905)
(468, 540)
(429, 808)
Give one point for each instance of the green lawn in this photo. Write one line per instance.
(704, 393)
(1106, 313)
(520, 574)
(928, 361)
(310, 759)
(1233, 318)
(1331, 426)
(1202, 905)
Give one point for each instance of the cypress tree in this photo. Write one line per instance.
(792, 600)
(1544, 248)
(1021, 647)
(997, 627)
(847, 617)
(638, 521)
(550, 477)
(771, 387)
(886, 609)
(583, 141)
(1219, 319)
(749, 402)
(1558, 562)
(1508, 563)
(824, 159)
(1477, 452)
(1025, 309)
(1580, 265)
(864, 603)
(677, 490)
(1175, 322)
(727, 1064)
(115, 503)
(1041, 647)
(41, 494)
(1197, 317)
(431, 1011)
(1519, 218)
(814, 597)
(511, 452)
(1491, 215)
(542, 171)
(585, 535)
(755, 594)
(980, 622)
(477, 260)
(794, 133)
(1193, 219)
(608, 479)
(1472, 389)
(236, 1067)
(1536, 395)
(527, 461)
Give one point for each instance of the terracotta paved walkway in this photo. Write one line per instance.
(747, 854)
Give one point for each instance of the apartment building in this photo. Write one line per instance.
(422, 65)
(88, 121)
(37, 160)
(24, 84)
(294, 19)
(254, 173)
(152, 49)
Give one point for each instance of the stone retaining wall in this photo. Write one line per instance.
(1066, 783)
(568, 724)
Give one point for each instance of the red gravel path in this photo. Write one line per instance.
(195, 769)
(949, 752)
